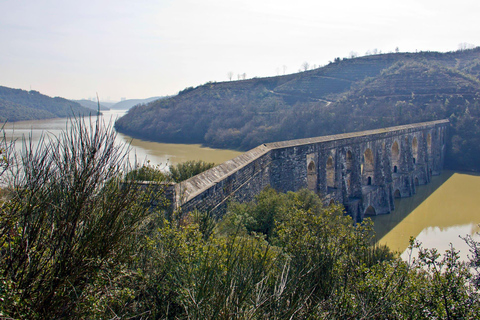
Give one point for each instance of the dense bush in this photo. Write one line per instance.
(79, 240)
(177, 172)
(71, 219)
(188, 169)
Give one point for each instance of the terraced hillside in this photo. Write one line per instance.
(347, 95)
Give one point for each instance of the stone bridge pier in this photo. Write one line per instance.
(364, 171)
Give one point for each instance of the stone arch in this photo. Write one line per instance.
(395, 156)
(415, 149)
(369, 181)
(397, 194)
(368, 160)
(368, 166)
(370, 211)
(330, 171)
(312, 176)
(349, 160)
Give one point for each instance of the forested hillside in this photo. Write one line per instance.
(346, 95)
(18, 105)
(91, 104)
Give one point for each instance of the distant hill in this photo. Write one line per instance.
(91, 104)
(18, 105)
(346, 95)
(127, 104)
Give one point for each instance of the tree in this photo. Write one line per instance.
(465, 46)
(230, 75)
(188, 169)
(305, 66)
(72, 217)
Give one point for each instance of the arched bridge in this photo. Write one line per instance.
(364, 171)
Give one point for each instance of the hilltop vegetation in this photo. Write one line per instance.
(346, 95)
(18, 105)
(91, 104)
(127, 104)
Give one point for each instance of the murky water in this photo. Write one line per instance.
(439, 214)
(158, 153)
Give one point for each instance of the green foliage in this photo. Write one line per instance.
(78, 240)
(70, 221)
(185, 170)
(148, 172)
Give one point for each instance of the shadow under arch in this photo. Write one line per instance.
(404, 206)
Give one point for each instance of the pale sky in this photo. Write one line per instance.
(143, 48)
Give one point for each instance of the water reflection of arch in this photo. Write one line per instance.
(395, 156)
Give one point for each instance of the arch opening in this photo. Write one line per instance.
(414, 148)
(395, 156)
(370, 211)
(312, 176)
(330, 173)
(368, 160)
(429, 144)
(397, 194)
(369, 181)
(349, 161)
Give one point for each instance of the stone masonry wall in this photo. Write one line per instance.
(364, 171)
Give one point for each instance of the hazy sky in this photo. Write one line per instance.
(144, 48)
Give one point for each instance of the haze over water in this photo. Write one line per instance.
(161, 154)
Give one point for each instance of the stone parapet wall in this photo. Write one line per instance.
(364, 170)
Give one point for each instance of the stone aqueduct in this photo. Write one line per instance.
(364, 171)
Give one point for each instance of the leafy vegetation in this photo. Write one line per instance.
(348, 95)
(79, 240)
(18, 105)
(71, 219)
(188, 169)
(178, 172)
